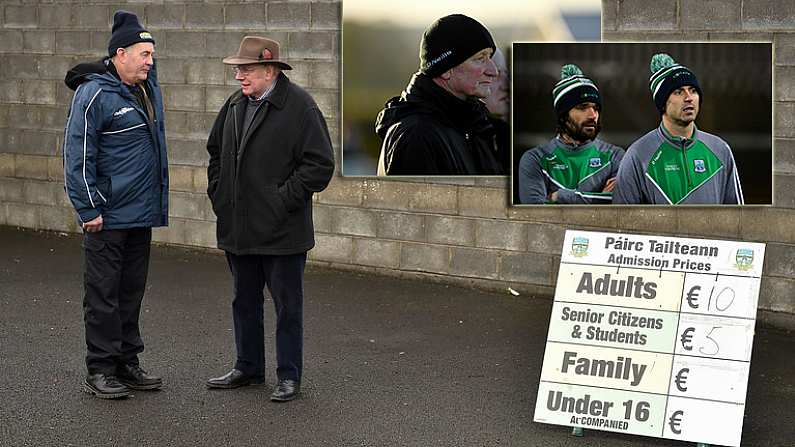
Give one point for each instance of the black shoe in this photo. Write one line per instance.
(105, 386)
(136, 378)
(286, 390)
(234, 379)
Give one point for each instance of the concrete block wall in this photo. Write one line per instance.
(41, 40)
(455, 230)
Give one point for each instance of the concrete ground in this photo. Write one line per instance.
(387, 362)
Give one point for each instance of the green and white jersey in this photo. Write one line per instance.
(577, 173)
(661, 168)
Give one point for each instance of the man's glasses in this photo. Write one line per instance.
(243, 70)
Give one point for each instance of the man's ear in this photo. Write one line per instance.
(447, 75)
(271, 71)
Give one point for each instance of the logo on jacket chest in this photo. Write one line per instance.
(699, 166)
(122, 111)
(595, 162)
(553, 163)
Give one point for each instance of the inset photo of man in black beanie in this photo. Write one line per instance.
(415, 78)
(439, 125)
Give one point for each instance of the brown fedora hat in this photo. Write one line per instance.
(257, 50)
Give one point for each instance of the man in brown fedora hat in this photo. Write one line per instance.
(270, 150)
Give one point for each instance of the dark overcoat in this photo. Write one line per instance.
(261, 184)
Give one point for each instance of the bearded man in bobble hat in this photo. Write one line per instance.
(439, 125)
(116, 176)
(574, 167)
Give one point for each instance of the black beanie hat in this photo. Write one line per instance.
(450, 41)
(126, 31)
(572, 89)
(668, 76)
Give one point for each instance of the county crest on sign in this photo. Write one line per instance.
(744, 258)
(579, 246)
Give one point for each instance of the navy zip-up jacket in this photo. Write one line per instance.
(115, 161)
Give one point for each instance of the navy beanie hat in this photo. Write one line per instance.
(572, 89)
(668, 76)
(126, 31)
(450, 41)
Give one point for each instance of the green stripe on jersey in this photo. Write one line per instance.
(569, 169)
(677, 173)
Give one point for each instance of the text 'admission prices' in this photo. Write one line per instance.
(651, 335)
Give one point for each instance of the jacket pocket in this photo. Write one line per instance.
(224, 223)
(105, 191)
(280, 208)
(220, 196)
(212, 188)
(215, 202)
(266, 219)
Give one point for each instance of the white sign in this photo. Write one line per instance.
(651, 335)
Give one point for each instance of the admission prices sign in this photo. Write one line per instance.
(651, 336)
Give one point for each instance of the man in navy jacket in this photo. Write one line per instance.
(116, 176)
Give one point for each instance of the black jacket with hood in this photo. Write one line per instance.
(261, 182)
(428, 131)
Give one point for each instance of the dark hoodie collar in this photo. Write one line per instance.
(461, 113)
(424, 96)
(80, 72)
(112, 69)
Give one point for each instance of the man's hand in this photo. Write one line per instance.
(609, 185)
(94, 225)
(553, 197)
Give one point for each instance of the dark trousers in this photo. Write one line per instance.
(284, 277)
(116, 264)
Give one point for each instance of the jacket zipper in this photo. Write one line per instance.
(153, 132)
(687, 164)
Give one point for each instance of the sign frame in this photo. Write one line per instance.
(648, 332)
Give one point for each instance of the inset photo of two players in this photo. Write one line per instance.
(642, 123)
(533, 96)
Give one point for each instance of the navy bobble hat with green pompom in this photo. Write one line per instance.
(668, 76)
(572, 89)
